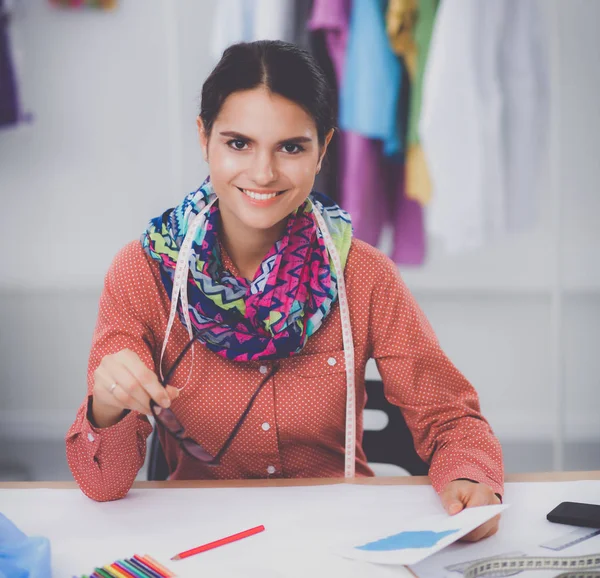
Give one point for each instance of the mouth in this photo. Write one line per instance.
(261, 197)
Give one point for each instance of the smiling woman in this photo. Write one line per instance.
(244, 318)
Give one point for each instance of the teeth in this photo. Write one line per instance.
(259, 196)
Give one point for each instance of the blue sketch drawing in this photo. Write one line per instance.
(406, 540)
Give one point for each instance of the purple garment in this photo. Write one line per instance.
(332, 16)
(373, 193)
(9, 103)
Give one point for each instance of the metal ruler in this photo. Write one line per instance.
(571, 567)
(571, 539)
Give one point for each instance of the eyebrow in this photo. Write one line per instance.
(296, 139)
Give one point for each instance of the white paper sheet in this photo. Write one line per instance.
(415, 540)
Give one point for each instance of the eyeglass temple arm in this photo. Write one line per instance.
(246, 412)
(167, 377)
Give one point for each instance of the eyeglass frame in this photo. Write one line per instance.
(188, 444)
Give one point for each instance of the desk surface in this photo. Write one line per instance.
(307, 525)
(400, 480)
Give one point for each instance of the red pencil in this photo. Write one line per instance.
(218, 543)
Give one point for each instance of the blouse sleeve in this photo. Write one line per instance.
(105, 461)
(440, 406)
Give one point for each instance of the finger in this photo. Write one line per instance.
(146, 378)
(102, 387)
(172, 392)
(484, 531)
(478, 497)
(128, 401)
(127, 382)
(453, 500)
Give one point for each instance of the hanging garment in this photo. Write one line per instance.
(372, 185)
(331, 17)
(418, 183)
(103, 4)
(401, 18)
(483, 119)
(373, 193)
(9, 98)
(372, 77)
(301, 34)
(248, 20)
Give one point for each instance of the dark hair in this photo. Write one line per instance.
(282, 68)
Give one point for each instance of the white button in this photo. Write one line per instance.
(263, 369)
(266, 426)
(271, 469)
(331, 361)
(91, 437)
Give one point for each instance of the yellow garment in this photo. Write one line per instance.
(418, 183)
(401, 17)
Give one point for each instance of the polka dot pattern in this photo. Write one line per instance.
(296, 427)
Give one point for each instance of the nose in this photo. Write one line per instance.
(263, 169)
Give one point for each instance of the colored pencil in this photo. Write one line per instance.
(114, 573)
(158, 566)
(132, 569)
(139, 563)
(123, 570)
(217, 543)
(153, 567)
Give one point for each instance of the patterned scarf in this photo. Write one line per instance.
(272, 316)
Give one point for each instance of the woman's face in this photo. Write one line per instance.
(263, 153)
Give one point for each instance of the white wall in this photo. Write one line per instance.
(115, 96)
(112, 145)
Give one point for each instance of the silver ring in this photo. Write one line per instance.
(113, 387)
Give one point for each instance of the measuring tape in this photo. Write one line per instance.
(574, 566)
(180, 289)
(350, 446)
(180, 286)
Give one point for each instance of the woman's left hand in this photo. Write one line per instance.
(461, 494)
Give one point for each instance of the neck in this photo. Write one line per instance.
(247, 248)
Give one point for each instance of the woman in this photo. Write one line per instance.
(231, 320)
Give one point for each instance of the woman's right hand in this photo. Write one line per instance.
(122, 382)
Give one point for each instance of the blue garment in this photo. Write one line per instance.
(21, 556)
(372, 77)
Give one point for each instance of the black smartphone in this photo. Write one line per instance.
(576, 514)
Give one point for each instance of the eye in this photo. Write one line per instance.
(292, 148)
(237, 144)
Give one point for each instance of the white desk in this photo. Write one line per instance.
(305, 520)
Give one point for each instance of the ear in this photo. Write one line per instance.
(203, 138)
(328, 138)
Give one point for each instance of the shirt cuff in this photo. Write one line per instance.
(469, 472)
(116, 433)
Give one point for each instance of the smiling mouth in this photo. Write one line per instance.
(260, 196)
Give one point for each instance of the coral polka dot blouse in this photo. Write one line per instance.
(296, 427)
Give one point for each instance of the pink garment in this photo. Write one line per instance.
(373, 193)
(372, 185)
(332, 17)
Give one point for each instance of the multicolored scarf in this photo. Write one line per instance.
(272, 316)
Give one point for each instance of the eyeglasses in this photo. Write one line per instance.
(173, 426)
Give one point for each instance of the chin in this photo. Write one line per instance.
(262, 224)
